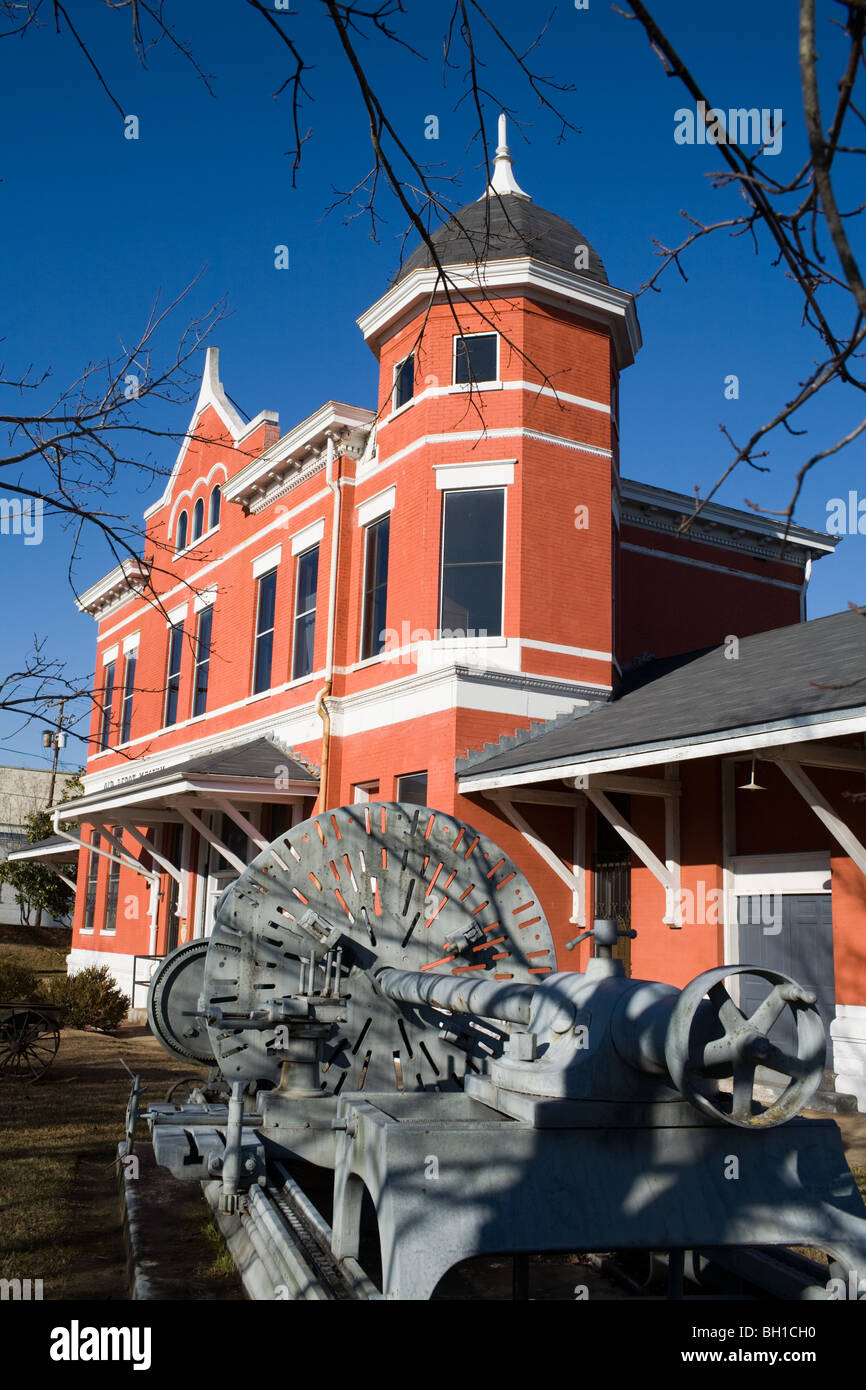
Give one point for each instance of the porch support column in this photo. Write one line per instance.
(578, 855)
(212, 838)
(185, 850)
(673, 916)
(729, 849)
(825, 813)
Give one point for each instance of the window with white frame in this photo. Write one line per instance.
(109, 922)
(266, 608)
(202, 661)
(172, 678)
(373, 630)
(404, 381)
(92, 882)
(476, 358)
(128, 692)
(107, 699)
(473, 546)
(412, 787)
(306, 590)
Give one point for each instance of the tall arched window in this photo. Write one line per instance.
(198, 519)
(180, 539)
(214, 508)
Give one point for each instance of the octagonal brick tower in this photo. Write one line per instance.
(501, 379)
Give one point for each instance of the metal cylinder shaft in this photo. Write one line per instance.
(460, 994)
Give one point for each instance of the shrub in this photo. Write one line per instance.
(91, 999)
(18, 982)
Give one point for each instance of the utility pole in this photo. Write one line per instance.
(56, 739)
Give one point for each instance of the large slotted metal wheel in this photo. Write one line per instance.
(398, 882)
(28, 1044)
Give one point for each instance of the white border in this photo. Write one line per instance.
(377, 506)
(462, 337)
(451, 477)
(267, 561)
(309, 537)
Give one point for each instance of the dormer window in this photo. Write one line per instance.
(215, 499)
(198, 519)
(404, 381)
(180, 537)
(476, 359)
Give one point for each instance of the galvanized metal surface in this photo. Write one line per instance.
(385, 885)
(173, 1001)
(381, 983)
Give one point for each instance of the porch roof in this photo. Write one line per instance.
(245, 771)
(56, 849)
(784, 686)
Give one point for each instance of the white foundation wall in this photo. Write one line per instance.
(120, 965)
(848, 1032)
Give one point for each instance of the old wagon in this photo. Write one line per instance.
(29, 1039)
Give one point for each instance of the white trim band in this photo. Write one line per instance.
(267, 561)
(378, 505)
(499, 473)
(205, 599)
(310, 536)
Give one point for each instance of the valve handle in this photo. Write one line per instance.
(606, 932)
(715, 1040)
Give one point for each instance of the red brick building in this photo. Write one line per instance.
(373, 603)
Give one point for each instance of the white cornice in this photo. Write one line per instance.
(657, 509)
(280, 468)
(121, 584)
(521, 273)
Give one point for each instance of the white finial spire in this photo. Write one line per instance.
(503, 180)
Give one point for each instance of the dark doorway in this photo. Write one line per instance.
(611, 868)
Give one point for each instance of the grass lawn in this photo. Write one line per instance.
(59, 1200)
(43, 950)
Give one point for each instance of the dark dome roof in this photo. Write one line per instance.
(497, 228)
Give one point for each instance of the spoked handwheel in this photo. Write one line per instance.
(28, 1045)
(712, 1039)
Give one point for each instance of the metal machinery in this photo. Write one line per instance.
(379, 998)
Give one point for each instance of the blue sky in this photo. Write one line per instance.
(95, 226)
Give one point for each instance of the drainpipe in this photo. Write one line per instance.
(807, 575)
(130, 863)
(321, 706)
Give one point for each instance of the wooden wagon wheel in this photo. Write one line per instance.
(28, 1044)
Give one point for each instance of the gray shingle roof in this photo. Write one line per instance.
(257, 759)
(55, 847)
(497, 228)
(779, 676)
